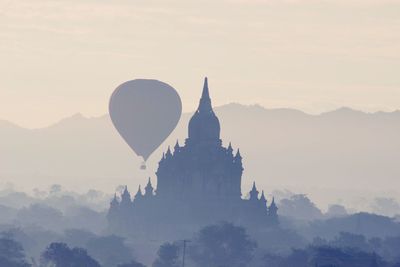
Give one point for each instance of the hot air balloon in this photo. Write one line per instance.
(145, 112)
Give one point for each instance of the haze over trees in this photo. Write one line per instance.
(75, 223)
(329, 149)
(222, 244)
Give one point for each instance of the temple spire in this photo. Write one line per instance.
(263, 200)
(254, 186)
(273, 208)
(176, 147)
(254, 192)
(205, 100)
(168, 154)
(230, 149)
(139, 193)
(149, 189)
(126, 197)
(205, 94)
(273, 212)
(204, 124)
(238, 157)
(114, 201)
(273, 202)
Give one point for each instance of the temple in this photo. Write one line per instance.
(198, 183)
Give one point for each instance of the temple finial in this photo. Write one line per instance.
(168, 154)
(205, 93)
(149, 189)
(230, 149)
(254, 192)
(139, 192)
(238, 156)
(262, 198)
(205, 100)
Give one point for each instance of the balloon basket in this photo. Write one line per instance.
(143, 166)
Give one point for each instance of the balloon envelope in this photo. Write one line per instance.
(145, 112)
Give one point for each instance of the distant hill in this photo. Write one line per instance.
(327, 155)
(369, 225)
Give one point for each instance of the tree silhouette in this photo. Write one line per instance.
(168, 256)
(325, 256)
(60, 255)
(11, 253)
(222, 245)
(350, 240)
(109, 250)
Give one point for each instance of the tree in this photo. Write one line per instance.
(272, 260)
(391, 248)
(325, 256)
(344, 257)
(222, 245)
(109, 250)
(301, 207)
(298, 258)
(350, 240)
(60, 255)
(11, 253)
(168, 256)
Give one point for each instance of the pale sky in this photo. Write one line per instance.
(60, 57)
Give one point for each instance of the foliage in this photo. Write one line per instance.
(168, 256)
(222, 245)
(350, 240)
(301, 207)
(61, 255)
(109, 250)
(11, 253)
(325, 256)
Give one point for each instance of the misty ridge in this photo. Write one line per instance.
(283, 149)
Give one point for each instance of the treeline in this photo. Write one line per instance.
(219, 245)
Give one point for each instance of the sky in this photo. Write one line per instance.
(60, 57)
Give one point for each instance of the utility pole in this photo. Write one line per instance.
(184, 251)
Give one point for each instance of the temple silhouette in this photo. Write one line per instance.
(197, 184)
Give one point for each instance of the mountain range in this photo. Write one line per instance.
(330, 156)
